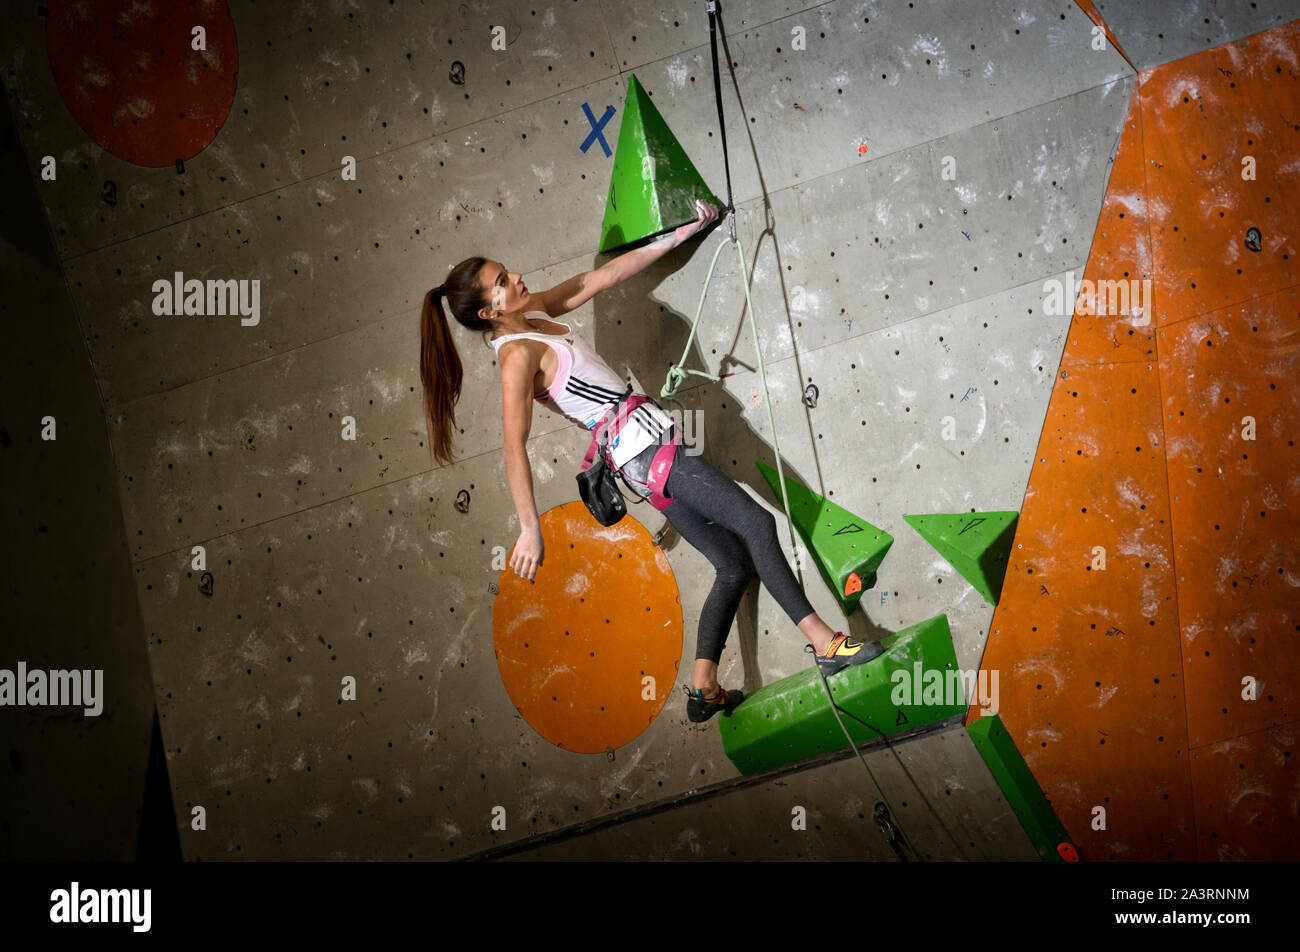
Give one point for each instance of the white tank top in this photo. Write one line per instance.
(585, 388)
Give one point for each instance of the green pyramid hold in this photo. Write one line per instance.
(653, 185)
(977, 544)
(790, 720)
(846, 548)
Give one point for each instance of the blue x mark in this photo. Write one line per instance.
(596, 127)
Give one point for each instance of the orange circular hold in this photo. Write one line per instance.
(589, 649)
(853, 585)
(132, 80)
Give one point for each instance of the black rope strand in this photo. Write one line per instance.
(891, 818)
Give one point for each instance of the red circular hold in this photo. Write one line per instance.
(130, 76)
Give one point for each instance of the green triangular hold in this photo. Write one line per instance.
(653, 185)
(846, 548)
(791, 720)
(977, 544)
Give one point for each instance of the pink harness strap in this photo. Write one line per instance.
(660, 467)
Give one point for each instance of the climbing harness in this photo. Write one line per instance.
(596, 483)
(677, 374)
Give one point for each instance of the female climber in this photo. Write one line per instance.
(545, 361)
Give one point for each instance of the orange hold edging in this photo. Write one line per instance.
(1153, 569)
(590, 648)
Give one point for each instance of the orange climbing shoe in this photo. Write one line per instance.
(843, 652)
(700, 708)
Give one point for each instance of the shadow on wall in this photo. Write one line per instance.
(73, 783)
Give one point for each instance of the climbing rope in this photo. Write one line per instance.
(677, 374)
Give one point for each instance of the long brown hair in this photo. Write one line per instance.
(440, 367)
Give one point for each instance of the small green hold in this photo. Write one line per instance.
(846, 548)
(976, 544)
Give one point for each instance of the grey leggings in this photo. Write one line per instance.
(738, 536)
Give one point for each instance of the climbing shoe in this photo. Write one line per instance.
(700, 709)
(844, 651)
